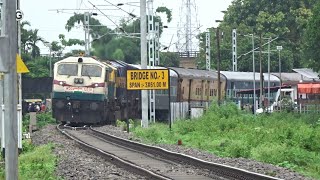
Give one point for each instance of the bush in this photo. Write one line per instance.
(44, 119)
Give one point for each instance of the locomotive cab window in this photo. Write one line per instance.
(68, 69)
(91, 71)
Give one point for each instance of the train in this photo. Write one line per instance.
(90, 91)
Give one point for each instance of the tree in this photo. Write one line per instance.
(38, 67)
(286, 20)
(58, 47)
(169, 59)
(33, 39)
(312, 39)
(25, 35)
(114, 43)
(118, 54)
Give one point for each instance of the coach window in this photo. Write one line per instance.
(68, 69)
(211, 92)
(91, 71)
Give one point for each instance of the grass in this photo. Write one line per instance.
(35, 163)
(283, 139)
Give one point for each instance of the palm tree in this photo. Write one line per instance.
(32, 41)
(25, 34)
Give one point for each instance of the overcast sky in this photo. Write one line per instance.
(50, 16)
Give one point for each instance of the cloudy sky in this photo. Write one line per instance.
(50, 16)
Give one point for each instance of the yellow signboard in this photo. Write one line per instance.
(21, 67)
(148, 79)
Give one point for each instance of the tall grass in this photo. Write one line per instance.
(284, 139)
(35, 163)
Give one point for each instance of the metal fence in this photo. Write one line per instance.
(309, 108)
(180, 110)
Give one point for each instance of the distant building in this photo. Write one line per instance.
(188, 59)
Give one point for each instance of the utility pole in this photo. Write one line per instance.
(151, 57)
(143, 44)
(8, 54)
(279, 48)
(261, 74)
(19, 107)
(208, 58)
(1, 78)
(268, 74)
(254, 77)
(86, 33)
(218, 64)
(234, 51)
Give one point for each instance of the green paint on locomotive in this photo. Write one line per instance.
(78, 96)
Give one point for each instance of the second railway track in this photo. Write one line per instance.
(153, 162)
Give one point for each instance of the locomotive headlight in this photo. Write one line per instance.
(96, 85)
(61, 83)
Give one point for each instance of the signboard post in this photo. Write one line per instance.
(149, 79)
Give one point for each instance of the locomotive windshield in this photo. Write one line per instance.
(91, 71)
(68, 69)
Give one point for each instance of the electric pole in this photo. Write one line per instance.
(261, 74)
(218, 64)
(208, 58)
(8, 52)
(143, 44)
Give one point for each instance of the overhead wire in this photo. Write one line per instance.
(121, 9)
(108, 18)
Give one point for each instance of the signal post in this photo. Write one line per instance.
(8, 51)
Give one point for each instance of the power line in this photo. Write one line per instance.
(108, 18)
(132, 15)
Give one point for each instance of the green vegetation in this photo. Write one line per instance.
(42, 120)
(283, 139)
(35, 162)
(294, 22)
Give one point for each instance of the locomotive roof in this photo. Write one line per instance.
(196, 73)
(172, 73)
(86, 60)
(247, 76)
(119, 64)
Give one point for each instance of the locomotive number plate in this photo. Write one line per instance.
(78, 89)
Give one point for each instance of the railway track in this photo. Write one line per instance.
(153, 162)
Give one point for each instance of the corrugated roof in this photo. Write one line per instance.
(309, 73)
(196, 73)
(247, 76)
(292, 77)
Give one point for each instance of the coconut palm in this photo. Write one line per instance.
(25, 34)
(34, 38)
